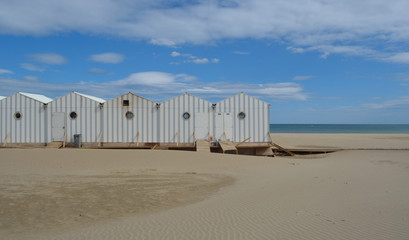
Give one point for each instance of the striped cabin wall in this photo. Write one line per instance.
(89, 117)
(173, 127)
(255, 125)
(117, 128)
(31, 128)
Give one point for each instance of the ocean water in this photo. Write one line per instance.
(339, 128)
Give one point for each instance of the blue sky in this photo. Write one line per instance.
(315, 61)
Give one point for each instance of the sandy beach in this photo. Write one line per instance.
(164, 194)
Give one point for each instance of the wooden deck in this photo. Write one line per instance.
(228, 146)
(202, 146)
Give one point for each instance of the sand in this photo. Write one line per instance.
(158, 194)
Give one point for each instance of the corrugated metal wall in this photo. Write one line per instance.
(173, 127)
(117, 128)
(256, 124)
(88, 121)
(31, 128)
(164, 125)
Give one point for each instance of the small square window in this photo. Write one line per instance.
(125, 103)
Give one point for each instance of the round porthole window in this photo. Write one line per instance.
(73, 115)
(242, 115)
(129, 115)
(18, 115)
(186, 115)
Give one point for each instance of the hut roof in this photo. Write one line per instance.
(37, 97)
(244, 95)
(2, 97)
(97, 99)
(188, 94)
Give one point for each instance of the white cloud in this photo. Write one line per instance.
(367, 24)
(30, 78)
(99, 71)
(32, 67)
(175, 54)
(158, 86)
(5, 71)
(49, 58)
(402, 57)
(240, 53)
(200, 60)
(189, 58)
(154, 79)
(402, 102)
(302, 77)
(107, 58)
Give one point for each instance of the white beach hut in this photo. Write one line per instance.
(130, 119)
(23, 118)
(240, 117)
(75, 113)
(185, 118)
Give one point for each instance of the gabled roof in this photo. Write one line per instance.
(38, 97)
(188, 94)
(1, 97)
(96, 99)
(243, 95)
(134, 95)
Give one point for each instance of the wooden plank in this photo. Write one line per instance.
(7, 138)
(228, 146)
(243, 141)
(202, 146)
(279, 147)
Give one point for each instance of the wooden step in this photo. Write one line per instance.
(228, 146)
(202, 146)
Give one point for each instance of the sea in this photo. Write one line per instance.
(339, 128)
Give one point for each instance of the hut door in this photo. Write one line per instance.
(202, 125)
(224, 127)
(58, 126)
(228, 126)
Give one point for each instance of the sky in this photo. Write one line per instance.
(314, 61)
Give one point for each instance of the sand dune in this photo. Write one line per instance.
(343, 195)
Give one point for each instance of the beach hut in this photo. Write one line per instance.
(185, 118)
(240, 117)
(2, 97)
(75, 113)
(23, 118)
(131, 119)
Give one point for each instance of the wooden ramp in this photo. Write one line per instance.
(54, 145)
(202, 146)
(228, 146)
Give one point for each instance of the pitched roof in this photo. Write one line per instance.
(244, 94)
(38, 97)
(188, 94)
(1, 97)
(134, 95)
(97, 99)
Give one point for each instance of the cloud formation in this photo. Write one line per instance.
(32, 67)
(108, 57)
(48, 58)
(158, 86)
(189, 58)
(99, 71)
(342, 27)
(5, 71)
